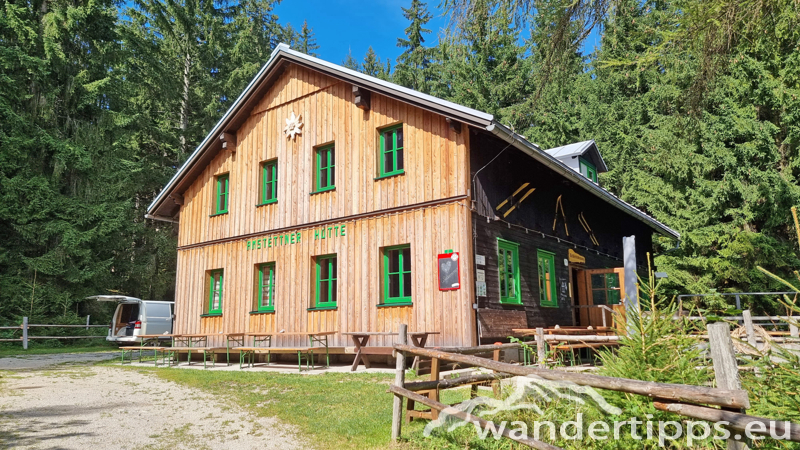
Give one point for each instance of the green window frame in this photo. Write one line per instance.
(266, 287)
(223, 192)
(397, 274)
(392, 153)
(215, 292)
(588, 169)
(325, 158)
(326, 282)
(508, 271)
(269, 182)
(548, 295)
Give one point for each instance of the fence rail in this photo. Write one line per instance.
(25, 326)
(684, 400)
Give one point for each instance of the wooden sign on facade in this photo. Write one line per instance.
(574, 257)
(449, 272)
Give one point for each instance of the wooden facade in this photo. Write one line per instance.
(466, 186)
(426, 207)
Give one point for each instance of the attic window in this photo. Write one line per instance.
(588, 170)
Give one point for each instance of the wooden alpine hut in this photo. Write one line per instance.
(329, 200)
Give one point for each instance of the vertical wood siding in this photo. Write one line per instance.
(429, 231)
(436, 167)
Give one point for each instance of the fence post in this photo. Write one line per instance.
(24, 333)
(540, 351)
(399, 381)
(748, 325)
(87, 321)
(726, 370)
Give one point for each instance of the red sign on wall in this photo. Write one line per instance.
(449, 272)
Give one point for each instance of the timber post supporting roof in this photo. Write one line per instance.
(166, 204)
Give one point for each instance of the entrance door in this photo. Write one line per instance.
(600, 287)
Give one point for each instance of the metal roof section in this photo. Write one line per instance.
(579, 149)
(163, 209)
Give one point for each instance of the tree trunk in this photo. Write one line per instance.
(187, 65)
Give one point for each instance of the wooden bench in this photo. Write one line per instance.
(247, 354)
(174, 351)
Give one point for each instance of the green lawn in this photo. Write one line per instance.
(332, 410)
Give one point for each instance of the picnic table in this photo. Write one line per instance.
(361, 339)
(193, 343)
(314, 337)
(149, 341)
(566, 346)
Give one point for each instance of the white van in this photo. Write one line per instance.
(135, 317)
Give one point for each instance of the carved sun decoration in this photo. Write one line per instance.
(293, 126)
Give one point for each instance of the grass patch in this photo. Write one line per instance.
(331, 410)
(33, 349)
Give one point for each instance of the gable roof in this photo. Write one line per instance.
(580, 149)
(165, 208)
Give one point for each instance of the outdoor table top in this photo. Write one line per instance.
(153, 336)
(235, 334)
(385, 333)
(298, 333)
(570, 330)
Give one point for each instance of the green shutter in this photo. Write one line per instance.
(397, 274)
(215, 292)
(390, 161)
(548, 291)
(508, 268)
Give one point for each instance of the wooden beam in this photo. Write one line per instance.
(361, 97)
(228, 141)
(399, 380)
(177, 198)
(454, 125)
(466, 417)
(448, 383)
(736, 421)
(675, 392)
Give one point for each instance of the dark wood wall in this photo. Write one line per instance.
(531, 226)
(497, 181)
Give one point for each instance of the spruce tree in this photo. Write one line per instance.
(306, 41)
(412, 65)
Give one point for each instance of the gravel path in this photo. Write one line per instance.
(76, 406)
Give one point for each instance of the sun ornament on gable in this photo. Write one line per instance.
(293, 125)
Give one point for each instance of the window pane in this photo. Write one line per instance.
(332, 176)
(333, 290)
(406, 259)
(598, 281)
(387, 162)
(332, 157)
(323, 270)
(599, 296)
(394, 263)
(323, 179)
(399, 137)
(333, 268)
(407, 285)
(503, 285)
(268, 193)
(387, 141)
(400, 159)
(394, 285)
(323, 291)
(510, 262)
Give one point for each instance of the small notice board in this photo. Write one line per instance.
(449, 272)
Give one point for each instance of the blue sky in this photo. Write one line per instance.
(342, 25)
(355, 25)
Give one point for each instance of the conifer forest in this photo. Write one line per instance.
(695, 107)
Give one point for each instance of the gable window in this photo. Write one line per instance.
(397, 274)
(269, 182)
(547, 278)
(326, 168)
(266, 288)
(325, 286)
(390, 161)
(588, 170)
(221, 199)
(215, 292)
(508, 265)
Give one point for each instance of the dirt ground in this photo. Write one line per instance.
(63, 402)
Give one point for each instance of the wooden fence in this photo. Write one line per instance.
(727, 402)
(25, 326)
